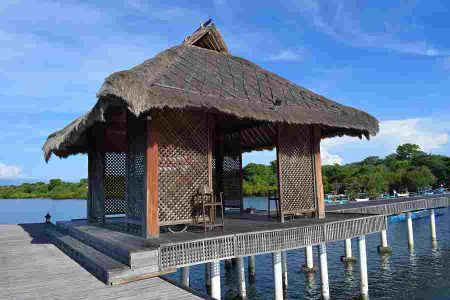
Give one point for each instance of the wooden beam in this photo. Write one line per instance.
(211, 135)
(320, 204)
(279, 168)
(152, 205)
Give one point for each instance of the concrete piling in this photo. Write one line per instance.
(309, 266)
(240, 270)
(410, 230)
(185, 276)
(324, 271)
(215, 279)
(277, 276)
(348, 258)
(251, 269)
(364, 282)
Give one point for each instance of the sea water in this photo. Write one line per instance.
(423, 273)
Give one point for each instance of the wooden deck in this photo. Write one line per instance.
(33, 268)
(392, 206)
(243, 236)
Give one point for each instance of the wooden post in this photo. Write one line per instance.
(280, 182)
(210, 149)
(320, 204)
(98, 188)
(241, 174)
(91, 185)
(152, 209)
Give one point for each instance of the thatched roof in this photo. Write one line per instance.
(200, 74)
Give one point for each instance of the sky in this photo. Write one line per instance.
(389, 58)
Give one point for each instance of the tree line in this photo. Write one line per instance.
(55, 189)
(409, 168)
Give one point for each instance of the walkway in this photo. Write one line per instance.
(33, 268)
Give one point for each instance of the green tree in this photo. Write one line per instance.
(408, 151)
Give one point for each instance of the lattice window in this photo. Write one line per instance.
(297, 170)
(115, 183)
(232, 181)
(183, 163)
(136, 181)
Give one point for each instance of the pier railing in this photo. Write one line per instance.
(179, 254)
(399, 207)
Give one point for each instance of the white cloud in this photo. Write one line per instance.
(287, 55)
(330, 159)
(432, 135)
(9, 171)
(343, 24)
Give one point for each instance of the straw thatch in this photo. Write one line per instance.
(191, 75)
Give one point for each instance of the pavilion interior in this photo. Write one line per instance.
(123, 137)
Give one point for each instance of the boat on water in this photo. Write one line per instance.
(336, 199)
(401, 195)
(362, 197)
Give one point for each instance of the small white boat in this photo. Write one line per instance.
(362, 197)
(401, 195)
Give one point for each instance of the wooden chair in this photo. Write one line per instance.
(210, 203)
(272, 195)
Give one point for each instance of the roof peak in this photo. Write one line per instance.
(207, 36)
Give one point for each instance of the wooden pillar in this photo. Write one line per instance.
(210, 149)
(151, 203)
(241, 174)
(280, 181)
(91, 185)
(97, 205)
(320, 203)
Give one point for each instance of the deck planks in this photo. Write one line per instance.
(33, 268)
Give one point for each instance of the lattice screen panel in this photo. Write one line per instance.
(136, 180)
(231, 181)
(136, 169)
(115, 183)
(297, 170)
(183, 163)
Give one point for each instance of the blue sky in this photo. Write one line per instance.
(390, 58)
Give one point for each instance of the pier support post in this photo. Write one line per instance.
(410, 230)
(208, 278)
(241, 277)
(285, 271)
(433, 225)
(364, 282)
(348, 258)
(251, 269)
(309, 266)
(324, 271)
(384, 248)
(185, 276)
(277, 276)
(215, 279)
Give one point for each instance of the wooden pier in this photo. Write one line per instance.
(33, 268)
(392, 206)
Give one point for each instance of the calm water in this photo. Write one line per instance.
(16, 211)
(422, 274)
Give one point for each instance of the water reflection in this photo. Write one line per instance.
(384, 263)
(348, 276)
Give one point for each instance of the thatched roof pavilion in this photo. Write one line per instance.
(241, 100)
